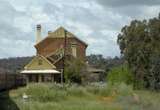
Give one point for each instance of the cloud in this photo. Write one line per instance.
(122, 3)
(133, 9)
(10, 35)
(97, 22)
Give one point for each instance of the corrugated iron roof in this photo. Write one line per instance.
(93, 69)
(60, 33)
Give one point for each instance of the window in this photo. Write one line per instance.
(74, 49)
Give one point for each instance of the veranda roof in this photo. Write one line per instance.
(39, 71)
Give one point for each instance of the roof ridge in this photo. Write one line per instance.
(60, 33)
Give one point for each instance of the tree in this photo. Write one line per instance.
(99, 61)
(120, 74)
(139, 43)
(74, 71)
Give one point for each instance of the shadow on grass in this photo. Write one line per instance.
(6, 103)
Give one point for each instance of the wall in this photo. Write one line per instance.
(50, 45)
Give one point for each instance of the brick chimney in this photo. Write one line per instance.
(38, 36)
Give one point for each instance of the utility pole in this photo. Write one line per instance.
(64, 56)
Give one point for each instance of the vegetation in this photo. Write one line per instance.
(104, 63)
(120, 74)
(139, 43)
(140, 47)
(89, 97)
(74, 71)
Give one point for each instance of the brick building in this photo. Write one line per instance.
(48, 63)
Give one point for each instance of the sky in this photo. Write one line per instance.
(97, 22)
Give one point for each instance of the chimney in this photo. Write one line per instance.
(38, 37)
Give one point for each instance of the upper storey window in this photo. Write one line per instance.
(74, 49)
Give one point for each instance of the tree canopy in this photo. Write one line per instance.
(139, 42)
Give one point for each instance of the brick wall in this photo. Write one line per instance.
(50, 45)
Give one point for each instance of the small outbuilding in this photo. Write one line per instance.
(95, 74)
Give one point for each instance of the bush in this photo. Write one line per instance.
(120, 74)
(74, 71)
(45, 92)
(77, 91)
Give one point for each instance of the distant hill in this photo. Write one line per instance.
(13, 65)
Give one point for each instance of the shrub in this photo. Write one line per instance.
(74, 71)
(78, 91)
(120, 74)
(45, 92)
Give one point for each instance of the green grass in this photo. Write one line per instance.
(91, 97)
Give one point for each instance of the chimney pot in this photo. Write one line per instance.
(38, 26)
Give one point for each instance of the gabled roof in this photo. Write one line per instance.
(39, 63)
(60, 33)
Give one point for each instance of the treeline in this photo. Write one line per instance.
(14, 65)
(140, 45)
(98, 61)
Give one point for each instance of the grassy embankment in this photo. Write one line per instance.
(92, 97)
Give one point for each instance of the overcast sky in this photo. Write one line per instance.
(97, 22)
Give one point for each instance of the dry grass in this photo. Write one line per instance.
(91, 97)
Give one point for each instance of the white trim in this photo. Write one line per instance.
(39, 71)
